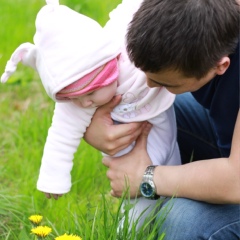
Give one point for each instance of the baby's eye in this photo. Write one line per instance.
(91, 93)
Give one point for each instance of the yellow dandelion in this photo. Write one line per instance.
(41, 231)
(68, 237)
(35, 219)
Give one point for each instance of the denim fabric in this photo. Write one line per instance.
(186, 219)
(196, 137)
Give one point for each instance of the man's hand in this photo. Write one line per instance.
(107, 137)
(129, 168)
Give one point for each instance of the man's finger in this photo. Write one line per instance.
(106, 161)
(129, 130)
(108, 107)
(142, 139)
(112, 193)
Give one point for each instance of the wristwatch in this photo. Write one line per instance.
(147, 187)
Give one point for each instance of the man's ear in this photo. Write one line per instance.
(222, 65)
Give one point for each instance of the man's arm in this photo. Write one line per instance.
(212, 180)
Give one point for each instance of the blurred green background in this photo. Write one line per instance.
(25, 117)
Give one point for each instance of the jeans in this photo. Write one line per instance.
(196, 137)
(186, 219)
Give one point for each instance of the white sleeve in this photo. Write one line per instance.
(120, 17)
(68, 126)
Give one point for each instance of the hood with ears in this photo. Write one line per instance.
(67, 46)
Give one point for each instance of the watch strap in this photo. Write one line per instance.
(148, 177)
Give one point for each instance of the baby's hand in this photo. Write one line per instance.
(54, 195)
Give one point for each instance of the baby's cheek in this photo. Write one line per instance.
(77, 102)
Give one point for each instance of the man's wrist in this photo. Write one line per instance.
(147, 187)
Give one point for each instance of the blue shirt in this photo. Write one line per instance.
(221, 97)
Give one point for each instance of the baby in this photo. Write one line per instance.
(82, 66)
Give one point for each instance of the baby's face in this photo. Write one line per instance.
(96, 98)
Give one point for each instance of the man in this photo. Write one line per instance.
(185, 46)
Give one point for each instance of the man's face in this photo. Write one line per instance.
(176, 83)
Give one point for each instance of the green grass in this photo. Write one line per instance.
(26, 113)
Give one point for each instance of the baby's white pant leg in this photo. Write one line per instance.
(142, 208)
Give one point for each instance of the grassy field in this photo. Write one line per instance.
(26, 112)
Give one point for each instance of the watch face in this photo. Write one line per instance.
(146, 189)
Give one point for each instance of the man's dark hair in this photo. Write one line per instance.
(189, 36)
